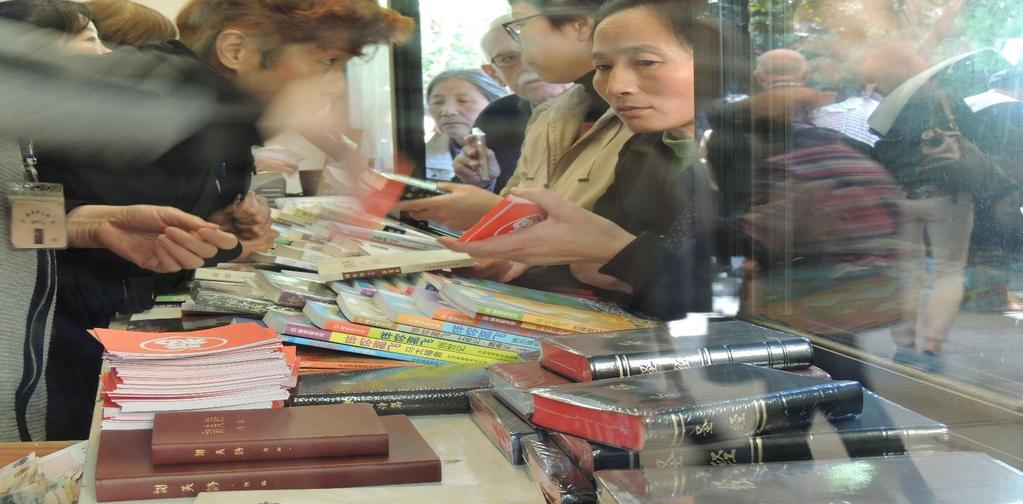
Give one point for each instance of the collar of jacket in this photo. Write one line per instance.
(566, 116)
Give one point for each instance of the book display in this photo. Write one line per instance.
(319, 379)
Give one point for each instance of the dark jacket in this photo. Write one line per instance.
(201, 175)
(504, 121)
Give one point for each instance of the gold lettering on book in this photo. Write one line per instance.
(262, 483)
(200, 453)
(396, 405)
(247, 484)
(188, 489)
(739, 484)
(669, 463)
(722, 457)
(738, 422)
(706, 428)
(213, 486)
(266, 450)
(239, 452)
(222, 451)
(160, 489)
(278, 449)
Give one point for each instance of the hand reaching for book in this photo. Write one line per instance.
(460, 209)
(249, 218)
(569, 235)
(157, 238)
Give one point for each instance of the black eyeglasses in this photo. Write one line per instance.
(514, 27)
(507, 60)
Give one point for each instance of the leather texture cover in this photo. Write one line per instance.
(620, 354)
(960, 477)
(560, 480)
(512, 382)
(499, 424)
(125, 472)
(202, 437)
(700, 405)
(420, 390)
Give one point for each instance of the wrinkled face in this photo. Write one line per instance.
(507, 57)
(454, 105)
(86, 42)
(294, 63)
(553, 53)
(645, 73)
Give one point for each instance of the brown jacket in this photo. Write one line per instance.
(578, 171)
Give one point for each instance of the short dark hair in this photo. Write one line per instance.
(124, 22)
(561, 12)
(718, 49)
(61, 15)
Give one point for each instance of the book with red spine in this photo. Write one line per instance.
(204, 437)
(124, 468)
(699, 405)
(513, 383)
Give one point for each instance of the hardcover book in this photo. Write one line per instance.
(513, 383)
(626, 353)
(560, 480)
(699, 405)
(220, 302)
(883, 429)
(392, 264)
(422, 390)
(204, 437)
(286, 290)
(909, 479)
(499, 424)
(124, 469)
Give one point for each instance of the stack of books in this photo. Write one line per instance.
(739, 394)
(214, 451)
(239, 366)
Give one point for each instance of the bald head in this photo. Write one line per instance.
(782, 66)
(508, 69)
(496, 39)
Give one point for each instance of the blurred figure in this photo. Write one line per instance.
(70, 18)
(454, 100)
(781, 68)
(504, 121)
(127, 23)
(244, 53)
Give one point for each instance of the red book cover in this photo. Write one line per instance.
(513, 382)
(169, 345)
(125, 471)
(203, 437)
(511, 214)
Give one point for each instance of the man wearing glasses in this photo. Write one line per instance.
(504, 121)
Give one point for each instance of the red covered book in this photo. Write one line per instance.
(699, 405)
(203, 437)
(511, 214)
(125, 471)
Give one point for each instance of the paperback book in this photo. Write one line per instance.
(392, 264)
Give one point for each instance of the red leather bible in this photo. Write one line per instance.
(202, 437)
(124, 469)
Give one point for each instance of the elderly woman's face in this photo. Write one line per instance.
(86, 42)
(454, 106)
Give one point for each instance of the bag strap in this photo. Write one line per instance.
(946, 106)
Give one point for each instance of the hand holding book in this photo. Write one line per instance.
(592, 237)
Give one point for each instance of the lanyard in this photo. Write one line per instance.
(29, 161)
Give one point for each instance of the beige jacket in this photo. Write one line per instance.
(579, 172)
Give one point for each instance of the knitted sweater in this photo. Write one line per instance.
(26, 309)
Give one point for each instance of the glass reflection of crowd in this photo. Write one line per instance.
(847, 191)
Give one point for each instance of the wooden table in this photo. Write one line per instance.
(9, 452)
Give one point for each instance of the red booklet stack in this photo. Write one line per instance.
(240, 366)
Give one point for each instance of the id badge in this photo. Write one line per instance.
(36, 215)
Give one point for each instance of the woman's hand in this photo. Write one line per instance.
(157, 238)
(569, 235)
(460, 209)
(467, 165)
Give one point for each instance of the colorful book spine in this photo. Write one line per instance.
(340, 347)
(304, 331)
(483, 355)
(469, 340)
(383, 339)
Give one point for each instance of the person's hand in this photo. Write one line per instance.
(459, 210)
(589, 274)
(569, 235)
(260, 243)
(157, 238)
(467, 165)
(248, 218)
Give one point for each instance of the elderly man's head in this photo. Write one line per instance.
(505, 66)
(781, 67)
